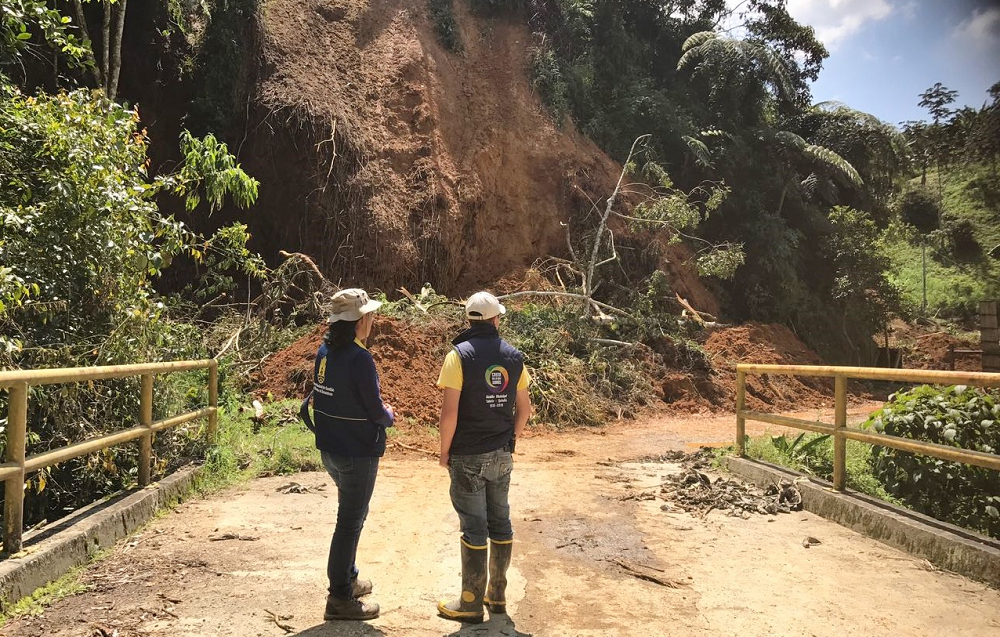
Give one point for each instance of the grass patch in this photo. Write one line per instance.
(245, 449)
(812, 453)
(35, 604)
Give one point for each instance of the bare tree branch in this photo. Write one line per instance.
(568, 295)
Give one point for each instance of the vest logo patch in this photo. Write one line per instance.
(321, 374)
(496, 379)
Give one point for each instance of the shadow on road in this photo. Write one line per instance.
(496, 626)
(340, 629)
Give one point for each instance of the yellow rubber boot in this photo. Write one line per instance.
(495, 598)
(469, 605)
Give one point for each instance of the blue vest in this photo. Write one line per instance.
(342, 425)
(491, 370)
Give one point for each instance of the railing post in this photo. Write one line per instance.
(741, 423)
(17, 424)
(213, 398)
(839, 441)
(146, 420)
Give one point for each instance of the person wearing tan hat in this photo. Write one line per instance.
(486, 406)
(350, 423)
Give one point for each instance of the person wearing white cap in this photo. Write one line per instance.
(350, 423)
(486, 406)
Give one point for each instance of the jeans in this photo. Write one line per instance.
(480, 484)
(355, 479)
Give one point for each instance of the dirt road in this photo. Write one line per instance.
(728, 576)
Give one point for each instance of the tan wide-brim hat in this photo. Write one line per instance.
(350, 305)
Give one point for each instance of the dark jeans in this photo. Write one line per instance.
(480, 484)
(355, 479)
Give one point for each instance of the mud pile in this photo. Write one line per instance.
(766, 344)
(409, 357)
(408, 362)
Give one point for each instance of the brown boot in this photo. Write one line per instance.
(352, 608)
(361, 587)
(495, 597)
(469, 605)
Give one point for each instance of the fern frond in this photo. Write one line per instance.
(697, 39)
(808, 184)
(791, 139)
(832, 159)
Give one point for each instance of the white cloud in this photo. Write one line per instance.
(980, 31)
(837, 20)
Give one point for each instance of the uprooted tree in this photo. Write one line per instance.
(647, 201)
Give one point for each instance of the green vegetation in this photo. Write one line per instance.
(36, 603)
(277, 445)
(445, 25)
(954, 492)
(962, 264)
(82, 243)
(813, 454)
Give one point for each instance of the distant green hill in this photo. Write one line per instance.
(963, 257)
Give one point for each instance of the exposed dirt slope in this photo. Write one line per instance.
(395, 162)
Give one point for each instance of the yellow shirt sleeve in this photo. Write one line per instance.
(525, 378)
(451, 372)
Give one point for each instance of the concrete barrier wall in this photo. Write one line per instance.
(943, 545)
(72, 541)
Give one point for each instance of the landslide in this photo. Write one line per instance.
(408, 357)
(393, 161)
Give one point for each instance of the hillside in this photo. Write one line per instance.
(395, 162)
(963, 257)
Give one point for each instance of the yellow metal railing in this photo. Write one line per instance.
(16, 465)
(841, 432)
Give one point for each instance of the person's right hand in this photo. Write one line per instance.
(388, 408)
(443, 461)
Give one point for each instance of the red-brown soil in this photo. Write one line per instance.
(926, 347)
(408, 361)
(409, 357)
(766, 343)
(394, 162)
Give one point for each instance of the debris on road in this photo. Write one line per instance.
(233, 536)
(640, 571)
(810, 541)
(279, 621)
(295, 487)
(693, 491)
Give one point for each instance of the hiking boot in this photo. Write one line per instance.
(361, 587)
(469, 605)
(337, 608)
(495, 598)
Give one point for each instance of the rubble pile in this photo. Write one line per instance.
(694, 492)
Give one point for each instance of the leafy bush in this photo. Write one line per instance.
(82, 242)
(813, 453)
(548, 82)
(919, 207)
(956, 416)
(445, 25)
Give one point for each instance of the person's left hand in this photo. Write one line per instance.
(389, 408)
(443, 461)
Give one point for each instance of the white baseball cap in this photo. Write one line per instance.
(350, 305)
(482, 306)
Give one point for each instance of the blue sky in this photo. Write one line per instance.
(884, 53)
